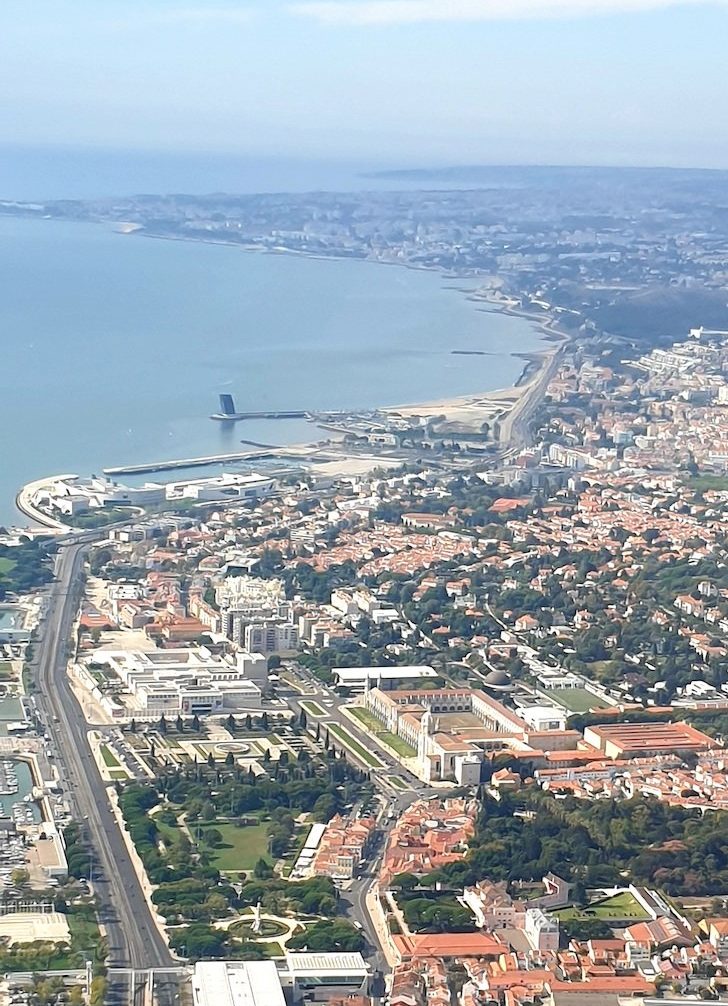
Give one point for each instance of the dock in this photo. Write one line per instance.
(167, 466)
(234, 417)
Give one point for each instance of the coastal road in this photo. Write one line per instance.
(133, 937)
(514, 432)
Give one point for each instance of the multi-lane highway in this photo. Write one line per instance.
(133, 937)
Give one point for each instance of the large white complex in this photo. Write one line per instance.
(449, 729)
(229, 486)
(260, 983)
(237, 983)
(184, 681)
(71, 495)
(361, 678)
(307, 970)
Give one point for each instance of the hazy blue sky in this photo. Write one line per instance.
(387, 81)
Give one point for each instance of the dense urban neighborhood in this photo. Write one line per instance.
(436, 713)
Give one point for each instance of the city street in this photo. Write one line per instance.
(133, 936)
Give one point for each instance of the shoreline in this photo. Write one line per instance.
(490, 406)
(544, 323)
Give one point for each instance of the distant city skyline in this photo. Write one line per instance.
(381, 83)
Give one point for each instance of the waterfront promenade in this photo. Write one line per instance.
(24, 503)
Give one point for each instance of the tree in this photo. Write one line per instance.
(198, 940)
(231, 724)
(327, 936)
(162, 725)
(405, 881)
(248, 722)
(97, 992)
(266, 755)
(211, 759)
(196, 723)
(133, 730)
(229, 759)
(264, 721)
(179, 724)
(325, 807)
(262, 870)
(303, 719)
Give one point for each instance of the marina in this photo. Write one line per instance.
(8, 779)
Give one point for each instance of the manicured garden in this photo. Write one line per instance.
(398, 744)
(241, 847)
(110, 759)
(371, 723)
(619, 906)
(576, 700)
(313, 708)
(353, 745)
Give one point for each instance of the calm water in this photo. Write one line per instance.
(114, 348)
(87, 173)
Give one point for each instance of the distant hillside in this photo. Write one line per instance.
(485, 174)
(661, 313)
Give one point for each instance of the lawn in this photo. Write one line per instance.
(6, 670)
(394, 780)
(84, 928)
(350, 742)
(272, 948)
(708, 483)
(313, 708)
(371, 723)
(403, 749)
(6, 565)
(620, 906)
(269, 929)
(170, 832)
(576, 700)
(110, 759)
(241, 847)
(369, 720)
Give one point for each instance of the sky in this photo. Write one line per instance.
(386, 83)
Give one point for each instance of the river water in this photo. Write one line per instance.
(115, 347)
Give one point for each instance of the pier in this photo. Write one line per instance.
(166, 466)
(233, 417)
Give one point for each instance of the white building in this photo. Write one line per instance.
(222, 488)
(249, 600)
(361, 678)
(237, 983)
(467, 769)
(271, 637)
(184, 681)
(307, 971)
(542, 930)
(543, 718)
